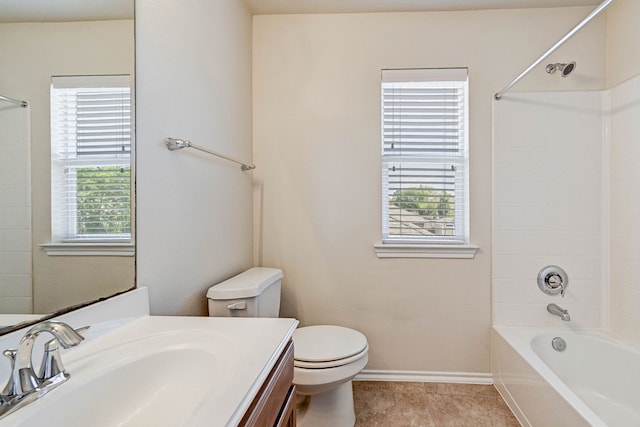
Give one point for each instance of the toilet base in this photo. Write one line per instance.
(333, 408)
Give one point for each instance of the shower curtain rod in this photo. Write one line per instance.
(577, 28)
(177, 144)
(23, 104)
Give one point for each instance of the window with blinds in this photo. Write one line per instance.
(91, 158)
(424, 156)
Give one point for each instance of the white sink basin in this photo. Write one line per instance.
(162, 371)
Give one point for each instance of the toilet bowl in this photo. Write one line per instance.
(326, 357)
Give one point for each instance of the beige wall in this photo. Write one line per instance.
(623, 76)
(193, 68)
(317, 186)
(31, 54)
(623, 41)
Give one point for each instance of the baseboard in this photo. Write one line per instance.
(425, 376)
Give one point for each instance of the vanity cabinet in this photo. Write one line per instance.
(275, 403)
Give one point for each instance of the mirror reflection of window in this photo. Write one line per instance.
(91, 159)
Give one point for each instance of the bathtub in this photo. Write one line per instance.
(595, 381)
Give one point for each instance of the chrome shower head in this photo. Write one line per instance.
(565, 69)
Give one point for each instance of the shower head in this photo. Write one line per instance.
(565, 69)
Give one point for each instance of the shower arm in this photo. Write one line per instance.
(567, 36)
(23, 104)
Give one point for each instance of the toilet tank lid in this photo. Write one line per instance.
(247, 284)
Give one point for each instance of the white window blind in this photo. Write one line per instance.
(91, 158)
(424, 156)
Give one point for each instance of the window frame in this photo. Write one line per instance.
(65, 241)
(458, 246)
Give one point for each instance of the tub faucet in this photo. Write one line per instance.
(559, 311)
(24, 386)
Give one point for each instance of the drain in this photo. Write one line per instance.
(558, 344)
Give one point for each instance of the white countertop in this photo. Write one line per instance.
(248, 350)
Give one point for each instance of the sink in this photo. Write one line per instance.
(162, 371)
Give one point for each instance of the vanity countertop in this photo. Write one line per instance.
(152, 368)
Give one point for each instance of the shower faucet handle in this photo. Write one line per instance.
(553, 280)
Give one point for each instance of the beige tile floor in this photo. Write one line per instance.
(430, 405)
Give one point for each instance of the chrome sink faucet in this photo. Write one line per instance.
(24, 386)
(559, 311)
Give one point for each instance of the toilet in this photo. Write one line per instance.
(326, 357)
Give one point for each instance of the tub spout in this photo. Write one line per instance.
(559, 311)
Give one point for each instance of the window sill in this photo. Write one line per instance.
(89, 249)
(397, 250)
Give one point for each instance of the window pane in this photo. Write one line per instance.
(103, 201)
(91, 158)
(424, 143)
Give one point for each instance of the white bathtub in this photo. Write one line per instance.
(594, 382)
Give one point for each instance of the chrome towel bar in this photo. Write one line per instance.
(177, 144)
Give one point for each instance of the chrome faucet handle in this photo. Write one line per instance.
(553, 280)
(21, 380)
(9, 389)
(556, 281)
(51, 360)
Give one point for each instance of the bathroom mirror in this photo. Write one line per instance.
(40, 39)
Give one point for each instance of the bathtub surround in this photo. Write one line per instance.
(624, 209)
(547, 194)
(565, 174)
(15, 210)
(612, 274)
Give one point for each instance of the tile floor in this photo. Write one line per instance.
(400, 404)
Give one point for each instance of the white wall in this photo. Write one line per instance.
(317, 146)
(193, 69)
(547, 202)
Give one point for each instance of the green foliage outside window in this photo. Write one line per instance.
(424, 201)
(103, 200)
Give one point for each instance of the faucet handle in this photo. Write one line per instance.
(21, 380)
(10, 388)
(51, 360)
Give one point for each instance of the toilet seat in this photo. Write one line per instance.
(330, 363)
(327, 346)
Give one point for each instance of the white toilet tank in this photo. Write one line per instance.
(253, 293)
